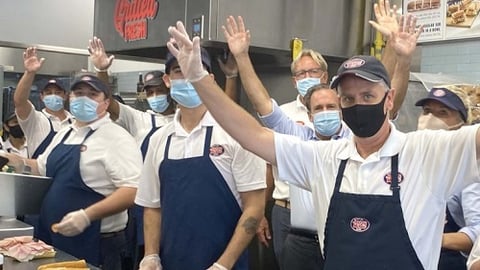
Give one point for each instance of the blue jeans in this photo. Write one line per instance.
(280, 229)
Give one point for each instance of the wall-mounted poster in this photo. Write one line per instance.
(446, 19)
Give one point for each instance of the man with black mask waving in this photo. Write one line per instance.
(379, 196)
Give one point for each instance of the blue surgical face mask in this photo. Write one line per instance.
(53, 102)
(327, 123)
(84, 109)
(304, 84)
(184, 94)
(158, 103)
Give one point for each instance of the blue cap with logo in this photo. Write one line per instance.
(205, 60)
(363, 66)
(92, 81)
(447, 98)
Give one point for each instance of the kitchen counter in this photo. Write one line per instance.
(12, 264)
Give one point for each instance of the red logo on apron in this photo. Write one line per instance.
(388, 178)
(359, 224)
(216, 150)
(83, 148)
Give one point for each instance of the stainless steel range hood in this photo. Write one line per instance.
(335, 28)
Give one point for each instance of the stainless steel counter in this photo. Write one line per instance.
(10, 227)
(12, 264)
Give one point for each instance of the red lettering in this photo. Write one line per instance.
(130, 18)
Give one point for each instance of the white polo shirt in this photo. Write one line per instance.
(111, 160)
(434, 165)
(139, 123)
(36, 126)
(8, 147)
(242, 170)
(296, 111)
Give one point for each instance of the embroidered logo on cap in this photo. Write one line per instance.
(52, 81)
(439, 93)
(149, 77)
(359, 224)
(86, 78)
(354, 63)
(216, 150)
(388, 178)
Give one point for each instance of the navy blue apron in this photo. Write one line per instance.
(451, 259)
(135, 225)
(368, 231)
(199, 212)
(43, 145)
(69, 193)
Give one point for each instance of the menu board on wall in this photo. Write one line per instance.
(446, 19)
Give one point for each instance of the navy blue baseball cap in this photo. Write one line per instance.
(447, 98)
(363, 66)
(153, 78)
(58, 83)
(206, 60)
(92, 81)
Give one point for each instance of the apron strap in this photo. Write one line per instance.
(153, 121)
(208, 140)
(338, 181)
(394, 183)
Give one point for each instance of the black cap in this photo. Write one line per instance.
(153, 78)
(447, 98)
(363, 66)
(56, 82)
(92, 81)
(205, 60)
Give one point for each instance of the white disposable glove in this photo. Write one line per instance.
(187, 54)
(217, 266)
(151, 262)
(73, 223)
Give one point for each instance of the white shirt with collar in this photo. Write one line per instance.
(8, 147)
(111, 160)
(139, 123)
(434, 165)
(296, 111)
(242, 170)
(36, 126)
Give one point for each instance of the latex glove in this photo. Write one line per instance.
(150, 262)
(187, 54)
(98, 56)
(73, 223)
(217, 266)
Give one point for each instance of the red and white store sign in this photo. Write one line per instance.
(130, 18)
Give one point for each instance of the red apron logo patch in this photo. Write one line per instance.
(83, 148)
(216, 150)
(388, 178)
(359, 224)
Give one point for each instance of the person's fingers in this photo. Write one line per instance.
(241, 24)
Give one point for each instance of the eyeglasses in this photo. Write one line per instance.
(314, 72)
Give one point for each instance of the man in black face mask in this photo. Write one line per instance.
(15, 141)
(380, 196)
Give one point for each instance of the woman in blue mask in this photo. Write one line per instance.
(95, 165)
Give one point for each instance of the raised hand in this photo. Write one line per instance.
(387, 18)
(31, 61)
(98, 56)
(404, 41)
(187, 54)
(237, 37)
(229, 68)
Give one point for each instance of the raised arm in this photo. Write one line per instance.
(230, 70)
(102, 63)
(32, 64)
(403, 43)
(234, 119)
(238, 42)
(387, 23)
